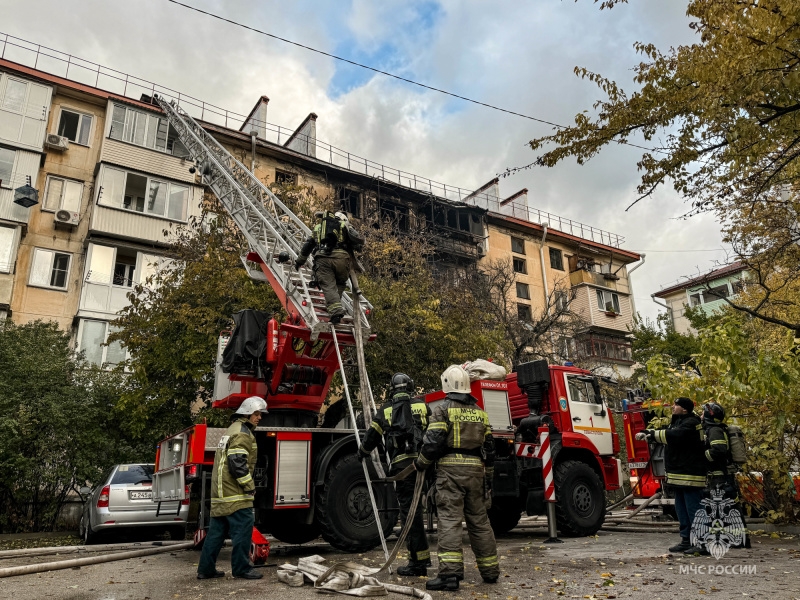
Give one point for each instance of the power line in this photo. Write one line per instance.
(357, 64)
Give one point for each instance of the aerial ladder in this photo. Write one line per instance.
(275, 236)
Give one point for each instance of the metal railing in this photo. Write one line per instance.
(62, 64)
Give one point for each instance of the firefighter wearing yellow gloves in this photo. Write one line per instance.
(232, 492)
(459, 441)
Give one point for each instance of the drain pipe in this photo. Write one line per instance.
(669, 310)
(630, 285)
(545, 225)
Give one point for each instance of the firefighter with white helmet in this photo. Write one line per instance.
(332, 242)
(232, 492)
(459, 441)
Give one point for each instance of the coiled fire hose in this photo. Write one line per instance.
(351, 578)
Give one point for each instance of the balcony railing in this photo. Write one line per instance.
(90, 73)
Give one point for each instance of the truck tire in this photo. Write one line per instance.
(344, 511)
(504, 514)
(581, 503)
(289, 531)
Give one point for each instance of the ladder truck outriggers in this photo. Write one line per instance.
(309, 481)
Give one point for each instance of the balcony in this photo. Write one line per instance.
(582, 276)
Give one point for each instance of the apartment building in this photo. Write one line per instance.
(707, 291)
(112, 176)
(582, 264)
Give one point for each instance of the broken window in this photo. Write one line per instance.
(350, 202)
(285, 178)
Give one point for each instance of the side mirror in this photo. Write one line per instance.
(85, 491)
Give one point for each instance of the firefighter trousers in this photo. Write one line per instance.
(460, 497)
(239, 526)
(416, 541)
(332, 272)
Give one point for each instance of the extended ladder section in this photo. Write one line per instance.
(270, 227)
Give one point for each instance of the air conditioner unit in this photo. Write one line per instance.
(66, 217)
(56, 142)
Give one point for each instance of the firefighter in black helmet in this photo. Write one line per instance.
(402, 425)
(332, 242)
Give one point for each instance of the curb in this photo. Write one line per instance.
(772, 528)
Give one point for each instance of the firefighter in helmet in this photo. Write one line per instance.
(232, 492)
(459, 441)
(402, 425)
(331, 244)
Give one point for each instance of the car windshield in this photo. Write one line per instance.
(133, 474)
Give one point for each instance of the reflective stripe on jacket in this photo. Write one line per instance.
(232, 484)
(717, 449)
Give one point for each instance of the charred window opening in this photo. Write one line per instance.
(350, 202)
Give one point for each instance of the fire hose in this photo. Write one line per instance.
(351, 578)
(90, 560)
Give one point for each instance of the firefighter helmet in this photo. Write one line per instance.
(341, 216)
(455, 379)
(401, 383)
(713, 413)
(251, 405)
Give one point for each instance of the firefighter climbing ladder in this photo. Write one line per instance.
(271, 228)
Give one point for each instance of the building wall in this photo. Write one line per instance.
(679, 300)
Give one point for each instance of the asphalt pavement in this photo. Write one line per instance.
(610, 565)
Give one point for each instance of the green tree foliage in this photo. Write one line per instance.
(758, 383)
(721, 119)
(422, 323)
(59, 427)
(659, 338)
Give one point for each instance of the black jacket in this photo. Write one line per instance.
(686, 463)
(381, 425)
(717, 449)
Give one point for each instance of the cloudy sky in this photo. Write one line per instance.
(515, 55)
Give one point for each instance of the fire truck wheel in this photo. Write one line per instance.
(289, 531)
(344, 510)
(581, 505)
(504, 514)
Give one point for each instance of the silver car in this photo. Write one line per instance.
(123, 500)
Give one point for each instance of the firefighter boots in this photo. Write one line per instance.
(449, 583)
(684, 545)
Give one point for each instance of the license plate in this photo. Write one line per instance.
(141, 495)
(639, 465)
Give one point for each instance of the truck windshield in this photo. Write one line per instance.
(581, 391)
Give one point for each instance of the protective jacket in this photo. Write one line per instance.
(232, 485)
(717, 449)
(382, 423)
(686, 465)
(459, 434)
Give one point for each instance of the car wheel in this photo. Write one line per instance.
(89, 536)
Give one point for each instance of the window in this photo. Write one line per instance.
(350, 202)
(605, 348)
(566, 347)
(145, 129)
(718, 292)
(92, 339)
(6, 166)
(524, 312)
(139, 193)
(16, 91)
(608, 301)
(581, 391)
(694, 299)
(7, 251)
(518, 245)
(556, 259)
(75, 126)
(738, 286)
(285, 178)
(519, 265)
(124, 268)
(62, 194)
(523, 291)
(49, 269)
(562, 300)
